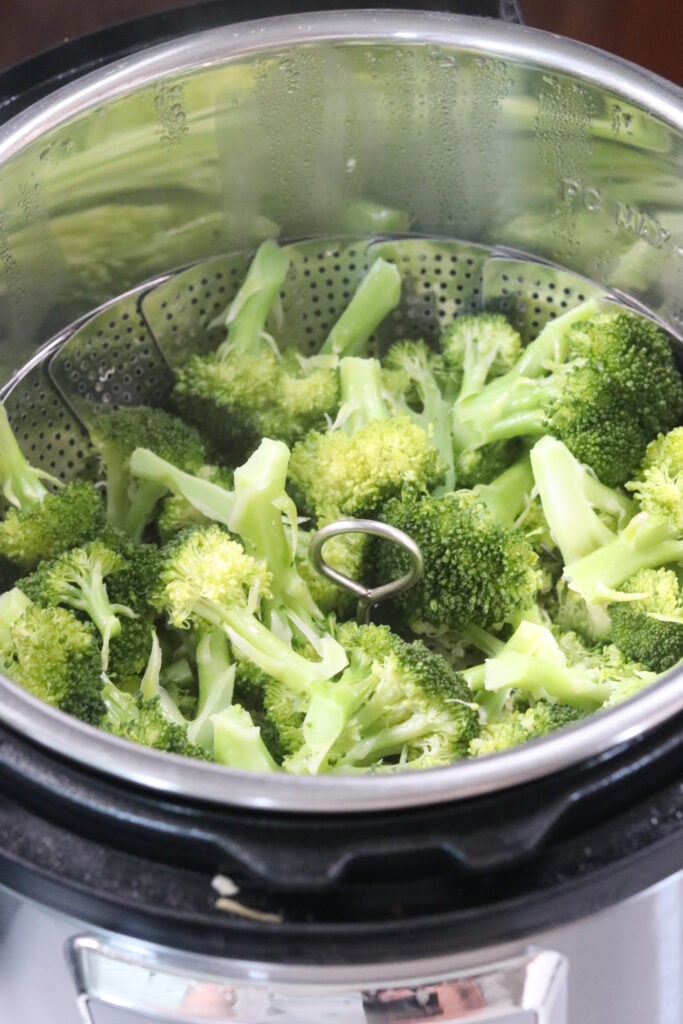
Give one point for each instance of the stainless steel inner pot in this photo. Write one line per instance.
(477, 130)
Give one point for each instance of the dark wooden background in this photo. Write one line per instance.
(649, 32)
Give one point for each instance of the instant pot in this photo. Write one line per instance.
(540, 886)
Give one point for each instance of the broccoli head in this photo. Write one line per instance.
(477, 570)
(605, 386)
(116, 433)
(56, 657)
(647, 620)
(368, 456)
(248, 389)
(518, 725)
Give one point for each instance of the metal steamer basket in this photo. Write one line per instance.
(542, 885)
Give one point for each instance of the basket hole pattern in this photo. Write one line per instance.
(532, 296)
(47, 431)
(111, 360)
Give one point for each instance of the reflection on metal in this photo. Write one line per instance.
(528, 989)
(368, 597)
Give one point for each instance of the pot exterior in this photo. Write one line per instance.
(621, 966)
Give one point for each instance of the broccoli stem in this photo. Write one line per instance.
(541, 678)
(330, 708)
(237, 742)
(210, 499)
(87, 592)
(570, 495)
(248, 312)
(508, 495)
(216, 677)
(21, 483)
(151, 688)
(512, 405)
(647, 542)
(260, 500)
(378, 293)
(252, 639)
(13, 604)
(362, 393)
(142, 502)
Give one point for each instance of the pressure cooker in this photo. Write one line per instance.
(539, 886)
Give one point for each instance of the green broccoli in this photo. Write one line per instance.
(582, 513)
(238, 743)
(647, 620)
(148, 717)
(537, 664)
(367, 456)
(260, 512)
(56, 657)
(216, 684)
(40, 523)
(376, 296)
(176, 513)
(405, 708)
(206, 577)
(652, 538)
(475, 348)
(518, 725)
(412, 374)
(477, 570)
(77, 578)
(605, 383)
(116, 433)
(248, 389)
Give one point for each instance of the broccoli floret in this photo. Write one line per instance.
(476, 569)
(536, 664)
(366, 457)
(412, 374)
(260, 512)
(647, 620)
(40, 523)
(248, 389)
(77, 579)
(56, 657)
(116, 433)
(408, 709)
(476, 347)
(207, 577)
(652, 538)
(604, 383)
(518, 725)
(149, 716)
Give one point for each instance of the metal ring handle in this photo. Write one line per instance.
(368, 597)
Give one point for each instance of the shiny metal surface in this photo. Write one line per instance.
(492, 133)
(624, 967)
(368, 597)
(530, 989)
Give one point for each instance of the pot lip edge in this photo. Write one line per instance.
(190, 52)
(175, 776)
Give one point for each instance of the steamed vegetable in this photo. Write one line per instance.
(170, 601)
